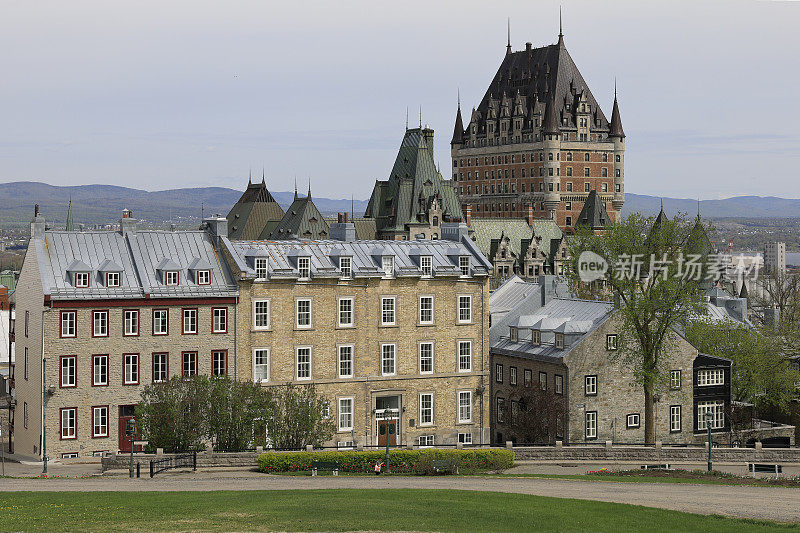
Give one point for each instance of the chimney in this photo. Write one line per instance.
(216, 226)
(37, 224)
(529, 216)
(528, 49)
(469, 215)
(339, 218)
(343, 230)
(127, 224)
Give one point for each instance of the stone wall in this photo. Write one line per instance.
(655, 454)
(204, 460)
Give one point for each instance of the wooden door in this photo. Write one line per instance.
(387, 430)
(126, 413)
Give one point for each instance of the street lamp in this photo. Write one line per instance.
(709, 417)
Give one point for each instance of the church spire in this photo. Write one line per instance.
(70, 225)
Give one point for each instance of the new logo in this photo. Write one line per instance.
(591, 266)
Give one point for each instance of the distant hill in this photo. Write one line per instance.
(103, 204)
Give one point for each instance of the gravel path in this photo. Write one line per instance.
(780, 504)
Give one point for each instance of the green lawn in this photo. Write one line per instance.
(760, 482)
(342, 510)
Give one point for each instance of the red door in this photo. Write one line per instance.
(126, 413)
(387, 430)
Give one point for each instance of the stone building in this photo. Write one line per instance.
(538, 137)
(568, 348)
(775, 257)
(384, 329)
(102, 314)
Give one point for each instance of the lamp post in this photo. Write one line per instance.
(709, 417)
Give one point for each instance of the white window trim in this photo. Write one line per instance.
(297, 363)
(468, 259)
(166, 331)
(74, 315)
(261, 349)
(183, 321)
(433, 414)
(269, 314)
(297, 313)
(419, 307)
(586, 433)
(339, 413)
(339, 361)
(224, 313)
(394, 310)
(300, 275)
(426, 259)
(94, 323)
(394, 359)
(266, 268)
(168, 276)
(137, 366)
(458, 354)
(458, 311)
(203, 273)
(458, 398)
(346, 258)
(586, 380)
(95, 358)
(672, 380)
(352, 312)
(633, 425)
(133, 312)
(94, 420)
(710, 377)
(384, 260)
(433, 357)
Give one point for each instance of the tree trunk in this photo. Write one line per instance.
(649, 415)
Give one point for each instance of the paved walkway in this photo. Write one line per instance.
(780, 504)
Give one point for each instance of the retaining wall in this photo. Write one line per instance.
(653, 454)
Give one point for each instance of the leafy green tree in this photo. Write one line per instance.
(656, 286)
(761, 372)
(172, 414)
(232, 408)
(300, 417)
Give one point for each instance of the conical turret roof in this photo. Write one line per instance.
(458, 131)
(615, 126)
(550, 124)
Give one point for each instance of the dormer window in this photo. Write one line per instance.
(204, 277)
(81, 279)
(559, 341)
(346, 267)
(261, 267)
(513, 334)
(387, 264)
(304, 267)
(426, 265)
(536, 337)
(171, 277)
(464, 266)
(112, 279)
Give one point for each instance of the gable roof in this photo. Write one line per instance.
(302, 220)
(593, 213)
(255, 210)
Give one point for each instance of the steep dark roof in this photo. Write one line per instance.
(743, 292)
(302, 220)
(458, 131)
(550, 124)
(594, 212)
(255, 211)
(412, 185)
(615, 128)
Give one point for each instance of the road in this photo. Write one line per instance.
(771, 503)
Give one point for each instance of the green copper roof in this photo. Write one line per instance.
(302, 220)
(254, 213)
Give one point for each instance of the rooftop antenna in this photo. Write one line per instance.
(420, 117)
(202, 211)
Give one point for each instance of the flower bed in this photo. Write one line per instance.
(400, 461)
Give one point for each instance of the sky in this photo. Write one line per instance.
(169, 94)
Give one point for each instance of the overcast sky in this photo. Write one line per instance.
(160, 95)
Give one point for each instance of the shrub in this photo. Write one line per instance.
(411, 461)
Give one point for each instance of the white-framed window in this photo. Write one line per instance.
(69, 323)
(611, 341)
(536, 337)
(426, 441)
(464, 356)
(100, 421)
(345, 445)
(591, 424)
(160, 367)
(131, 370)
(346, 267)
(513, 334)
(512, 375)
(160, 322)
(426, 358)
(500, 409)
(426, 409)
(543, 380)
(261, 267)
(426, 309)
(388, 311)
(189, 363)
(203, 277)
(219, 320)
(426, 265)
(112, 279)
(632, 420)
(464, 309)
(465, 438)
(345, 414)
(675, 379)
(387, 265)
(675, 416)
(261, 314)
(303, 362)
(346, 361)
(99, 370)
(219, 362)
(559, 340)
(716, 408)
(465, 407)
(558, 384)
(171, 277)
(81, 279)
(325, 412)
(100, 323)
(189, 321)
(69, 423)
(304, 267)
(527, 377)
(498, 372)
(303, 313)
(69, 367)
(345, 312)
(388, 360)
(590, 385)
(131, 319)
(709, 377)
(464, 266)
(260, 365)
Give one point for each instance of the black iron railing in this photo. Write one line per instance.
(185, 460)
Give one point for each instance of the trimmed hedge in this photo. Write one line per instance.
(411, 461)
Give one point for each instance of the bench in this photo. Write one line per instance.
(324, 465)
(764, 468)
(657, 467)
(445, 465)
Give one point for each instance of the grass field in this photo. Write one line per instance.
(342, 510)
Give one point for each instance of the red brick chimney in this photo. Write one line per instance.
(468, 214)
(529, 216)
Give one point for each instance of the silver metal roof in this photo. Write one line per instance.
(137, 255)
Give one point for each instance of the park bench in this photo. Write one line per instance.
(324, 465)
(765, 468)
(445, 465)
(657, 467)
